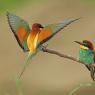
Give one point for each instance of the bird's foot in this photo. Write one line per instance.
(43, 47)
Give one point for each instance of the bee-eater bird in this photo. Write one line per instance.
(87, 55)
(31, 39)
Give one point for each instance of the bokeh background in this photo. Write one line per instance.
(48, 74)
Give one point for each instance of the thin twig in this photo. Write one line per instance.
(44, 49)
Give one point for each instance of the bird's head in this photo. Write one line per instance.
(85, 44)
(37, 27)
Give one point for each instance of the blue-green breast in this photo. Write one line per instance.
(86, 56)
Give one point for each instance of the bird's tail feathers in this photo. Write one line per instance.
(27, 62)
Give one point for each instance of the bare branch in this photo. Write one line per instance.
(44, 49)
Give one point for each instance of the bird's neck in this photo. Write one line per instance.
(35, 29)
(85, 50)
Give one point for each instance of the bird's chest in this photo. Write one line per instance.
(32, 40)
(86, 56)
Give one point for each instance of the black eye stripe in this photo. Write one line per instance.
(86, 44)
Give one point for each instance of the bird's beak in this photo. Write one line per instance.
(78, 42)
(41, 26)
(82, 46)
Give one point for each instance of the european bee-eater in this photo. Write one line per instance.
(87, 55)
(31, 39)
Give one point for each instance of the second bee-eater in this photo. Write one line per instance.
(31, 39)
(87, 55)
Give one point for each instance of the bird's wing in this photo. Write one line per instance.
(50, 30)
(20, 29)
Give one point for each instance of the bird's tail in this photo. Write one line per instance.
(27, 62)
(92, 71)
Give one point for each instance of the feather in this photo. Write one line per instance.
(51, 29)
(27, 62)
(20, 29)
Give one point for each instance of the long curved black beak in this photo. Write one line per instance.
(78, 42)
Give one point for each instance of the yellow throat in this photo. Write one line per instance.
(83, 47)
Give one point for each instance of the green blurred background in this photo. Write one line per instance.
(48, 74)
